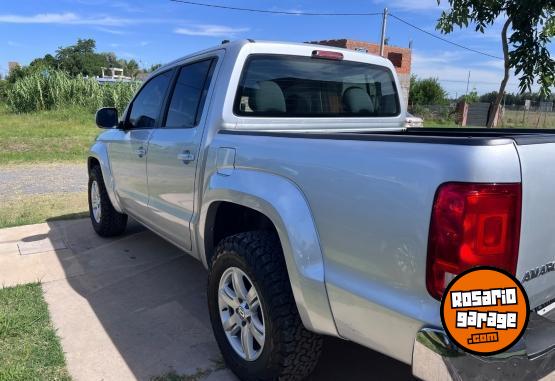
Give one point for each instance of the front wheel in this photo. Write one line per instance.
(253, 312)
(106, 220)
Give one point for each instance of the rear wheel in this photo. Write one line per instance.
(253, 312)
(106, 221)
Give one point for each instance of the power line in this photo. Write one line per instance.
(513, 86)
(291, 13)
(461, 81)
(444, 39)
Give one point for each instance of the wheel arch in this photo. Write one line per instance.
(275, 203)
(225, 218)
(98, 155)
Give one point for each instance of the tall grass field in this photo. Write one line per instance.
(54, 90)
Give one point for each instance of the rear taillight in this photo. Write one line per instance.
(472, 225)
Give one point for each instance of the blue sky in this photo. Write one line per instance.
(159, 31)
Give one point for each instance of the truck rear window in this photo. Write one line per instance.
(296, 86)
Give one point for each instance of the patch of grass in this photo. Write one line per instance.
(29, 347)
(440, 123)
(529, 119)
(46, 136)
(510, 119)
(35, 209)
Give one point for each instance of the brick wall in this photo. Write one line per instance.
(401, 57)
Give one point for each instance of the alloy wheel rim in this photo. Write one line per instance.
(95, 202)
(241, 314)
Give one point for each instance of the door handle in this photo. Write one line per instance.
(140, 151)
(186, 157)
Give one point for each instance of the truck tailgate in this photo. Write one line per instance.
(536, 262)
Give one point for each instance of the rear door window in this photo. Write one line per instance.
(189, 95)
(296, 86)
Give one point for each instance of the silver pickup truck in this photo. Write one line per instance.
(287, 171)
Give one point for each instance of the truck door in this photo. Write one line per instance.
(174, 152)
(129, 150)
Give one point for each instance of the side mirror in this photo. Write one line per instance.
(107, 117)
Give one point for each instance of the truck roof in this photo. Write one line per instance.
(237, 45)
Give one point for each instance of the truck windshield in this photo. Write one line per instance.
(296, 86)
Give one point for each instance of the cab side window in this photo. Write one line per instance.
(189, 94)
(146, 107)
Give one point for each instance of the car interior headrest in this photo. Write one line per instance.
(357, 101)
(267, 97)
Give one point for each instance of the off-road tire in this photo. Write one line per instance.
(112, 223)
(290, 351)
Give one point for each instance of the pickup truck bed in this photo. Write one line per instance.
(371, 195)
(458, 136)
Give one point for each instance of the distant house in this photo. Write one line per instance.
(400, 57)
(112, 74)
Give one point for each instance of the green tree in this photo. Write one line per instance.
(46, 62)
(78, 59)
(426, 92)
(81, 58)
(21, 72)
(131, 68)
(3, 89)
(111, 59)
(471, 97)
(489, 97)
(154, 67)
(525, 36)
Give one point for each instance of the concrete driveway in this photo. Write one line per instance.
(134, 307)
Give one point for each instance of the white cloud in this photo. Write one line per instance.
(69, 18)
(43, 18)
(128, 55)
(420, 60)
(14, 44)
(211, 31)
(122, 5)
(495, 64)
(119, 45)
(292, 11)
(110, 30)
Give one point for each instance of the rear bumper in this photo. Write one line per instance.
(435, 357)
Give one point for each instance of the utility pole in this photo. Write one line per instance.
(384, 29)
(468, 83)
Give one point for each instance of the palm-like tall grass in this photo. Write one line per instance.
(55, 89)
